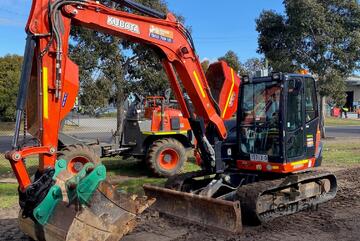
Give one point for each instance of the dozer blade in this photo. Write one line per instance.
(209, 212)
(109, 216)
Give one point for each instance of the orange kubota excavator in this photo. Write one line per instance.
(255, 166)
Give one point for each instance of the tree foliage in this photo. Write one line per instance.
(252, 65)
(10, 69)
(146, 73)
(232, 59)
(128, 66)
(92, 50)
(320, 35)
(249, 67)
(205, 65)
(111, 67)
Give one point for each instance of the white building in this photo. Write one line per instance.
(353, 92)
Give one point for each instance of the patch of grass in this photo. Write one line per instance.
(342, 151)
(68, 128)
(191, 166)
(134, 186)
(7, 128)
(5, 167)
(8, 195)
(134, 167)
(115, 166)
(130, 167)
(6, 170)
(107, 115)
(138, 172)
(331, 121)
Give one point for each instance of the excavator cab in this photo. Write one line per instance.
(278, 122)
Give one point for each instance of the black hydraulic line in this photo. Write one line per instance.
(24, 85)
(162, 125)
(206, 150)
(190, 39)
(141, 8)
(56, 26)
(26, 72)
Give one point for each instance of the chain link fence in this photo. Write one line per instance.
(91, 129)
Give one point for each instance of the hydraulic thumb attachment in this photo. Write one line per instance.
(84, 201)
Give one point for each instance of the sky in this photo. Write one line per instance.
(217, 26)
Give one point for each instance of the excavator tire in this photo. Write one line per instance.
(166, 157)
(77, 156)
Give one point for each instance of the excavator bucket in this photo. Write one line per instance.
(209, 212)
(108, 215)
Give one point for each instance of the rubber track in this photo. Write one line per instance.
(249, 194)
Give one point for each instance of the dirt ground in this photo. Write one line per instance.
(338, 219)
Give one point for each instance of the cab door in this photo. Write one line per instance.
(294, 141)
(311, 117)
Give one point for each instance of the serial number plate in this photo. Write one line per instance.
(259, 158)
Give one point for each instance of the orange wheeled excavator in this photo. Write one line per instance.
(154, 131)
(255, 166)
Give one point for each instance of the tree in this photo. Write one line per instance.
(205, 65)
(102, 57)
(336, 86)
(91, 51)
(232, 59)
(273, 41)
(253, 65)
(320, 35)
(146, 73)
(10, 69)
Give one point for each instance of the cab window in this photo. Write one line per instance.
(294, 105)
(294, 119)
(310, 99)
(259, 126)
